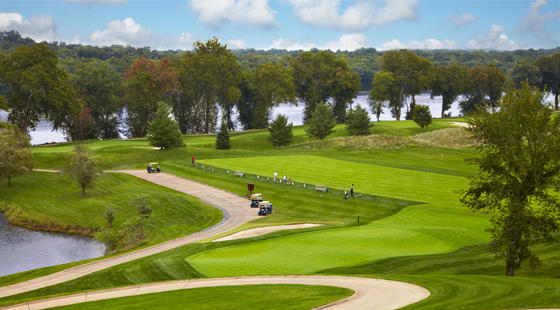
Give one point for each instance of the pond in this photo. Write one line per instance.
(23, 249)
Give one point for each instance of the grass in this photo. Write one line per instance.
(414, 230)
(58, 205)
(227, 297)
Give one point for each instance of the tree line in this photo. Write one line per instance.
(96, 101)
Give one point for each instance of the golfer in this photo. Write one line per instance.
(352, 190)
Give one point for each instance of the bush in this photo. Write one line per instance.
(422, 116)
(321, 123)
(280, 131)
(357, 122)
(222, 139)
(163, 131)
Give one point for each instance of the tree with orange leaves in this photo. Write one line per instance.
(147, 83)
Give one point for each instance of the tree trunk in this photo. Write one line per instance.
(556, 101)
(509, 271)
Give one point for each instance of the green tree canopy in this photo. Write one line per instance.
(15, 152)
(524, 70)
(421, 115)
(357, 122)
(163, 131)
(385, 89)
(449, 82)
(207, 75)
(99, 85)
(37, 88)
(222, 138)
(321, 123)
(280, 131)
(146, 83)
(550, 71)
(519, 170)
(271, 85)
(82, 166)
(485, 87)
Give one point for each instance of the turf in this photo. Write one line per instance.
(59, 206)
(227, 297)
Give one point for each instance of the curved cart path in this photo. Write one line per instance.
(369, 293)
(236, 213)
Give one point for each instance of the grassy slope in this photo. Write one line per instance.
(230, 297)
(455, 281)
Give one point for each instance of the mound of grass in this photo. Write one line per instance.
(371, 142)
(449, 137)
(227, 297)
(47, 201)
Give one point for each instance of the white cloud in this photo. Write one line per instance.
(356, 17)
(348, 42)
(216, 13)
(428, 44)
(98, 1)
(39, 27)
(396, 10)
(290, 45)
(463, 19)
(533, 20)
(129, 32)
(496, 39)
(237, 44)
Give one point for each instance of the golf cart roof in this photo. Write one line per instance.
(264, 203)
(256, 196)
(153, 163)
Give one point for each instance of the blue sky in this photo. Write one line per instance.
(291, 24)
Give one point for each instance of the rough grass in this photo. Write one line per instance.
(227, 297)
(47, 201)
(449, 137)
(371, 142)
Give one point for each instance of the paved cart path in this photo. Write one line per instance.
(369, 293)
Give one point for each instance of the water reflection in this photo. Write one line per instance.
(23, 249)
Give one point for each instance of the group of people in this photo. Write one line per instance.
(152, 170)
(351, 192)
(286, 180)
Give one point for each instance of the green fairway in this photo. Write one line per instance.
(227, 297)
(48, 201)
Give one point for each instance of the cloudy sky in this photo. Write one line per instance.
(291, 24)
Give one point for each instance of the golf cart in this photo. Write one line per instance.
(265, 208)
(151, 168)
(255, 200)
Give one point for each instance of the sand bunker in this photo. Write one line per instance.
(263, 230)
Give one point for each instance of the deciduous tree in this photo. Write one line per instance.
(550, 71)
(82, 166)
(15, 152)
(449, 82)
(422, 116)
(524, 70)
(37, 88)
(384, 90)
(519, 171)
(485, 87)
(146, 83)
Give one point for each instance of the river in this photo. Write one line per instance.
(23, 249)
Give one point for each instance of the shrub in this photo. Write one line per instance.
(280, 131)
(357, 122)
(321, 123)
(422, 116)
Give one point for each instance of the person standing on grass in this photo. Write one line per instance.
(285, 179)
(345, 194)
(352, 190)
(193, 160)
(275, 176)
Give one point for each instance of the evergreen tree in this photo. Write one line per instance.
(321, 123)
(15, 152)
(357, 122)
(421, 115)
(280, 131)
(222, 139)
(163, 131)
